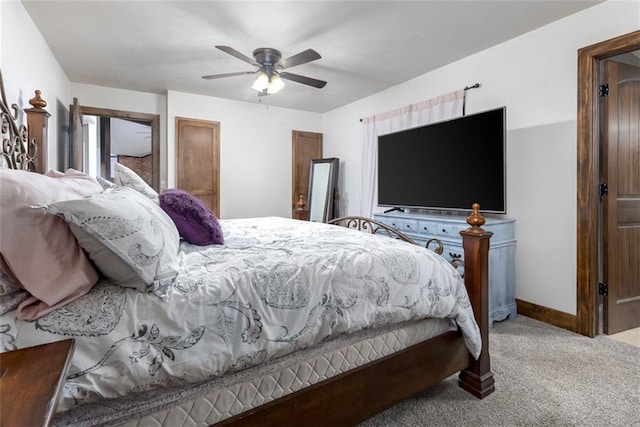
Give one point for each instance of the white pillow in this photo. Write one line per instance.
(128, 178)
(129, 238)
(105, 183)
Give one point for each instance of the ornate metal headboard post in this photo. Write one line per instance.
(38, 125)
(21, 147)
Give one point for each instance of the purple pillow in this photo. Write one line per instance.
(195, 222)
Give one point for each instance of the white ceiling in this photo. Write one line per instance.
(366, 46)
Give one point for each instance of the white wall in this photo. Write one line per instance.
(535, 76)
(28, 64)
(128, 100)
(255, 150)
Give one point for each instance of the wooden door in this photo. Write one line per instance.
(198, 160)
(621, 208)
(305, 146)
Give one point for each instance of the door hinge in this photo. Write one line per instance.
(604, 89)
(604, 190)
(603, 289)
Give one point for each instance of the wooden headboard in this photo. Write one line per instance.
(24, 146)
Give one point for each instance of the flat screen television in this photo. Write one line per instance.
(447, 165)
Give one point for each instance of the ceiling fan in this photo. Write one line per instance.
(270, 65)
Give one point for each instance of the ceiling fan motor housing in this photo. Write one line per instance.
(267, 57)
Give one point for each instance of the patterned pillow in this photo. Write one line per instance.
(127, 236)
(11, 293)
(128, 178)
(196, 223)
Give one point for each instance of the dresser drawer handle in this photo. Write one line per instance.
(444, 231)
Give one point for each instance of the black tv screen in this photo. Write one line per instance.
(447, 165)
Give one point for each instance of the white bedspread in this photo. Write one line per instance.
(277, 285)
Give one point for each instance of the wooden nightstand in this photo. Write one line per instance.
(31, 381)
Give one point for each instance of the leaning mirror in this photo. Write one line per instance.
(323, 179)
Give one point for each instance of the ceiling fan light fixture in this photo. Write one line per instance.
(275, 84)
(261, 83)
(269, 65)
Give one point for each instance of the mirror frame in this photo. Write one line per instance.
(327, 199)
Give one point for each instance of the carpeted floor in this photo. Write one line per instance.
(545, 376)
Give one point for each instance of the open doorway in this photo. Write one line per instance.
(590, 228)
(100, 137)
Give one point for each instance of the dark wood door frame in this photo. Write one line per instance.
(152, 120)
(588, 179)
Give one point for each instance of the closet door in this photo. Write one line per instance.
(198, 160)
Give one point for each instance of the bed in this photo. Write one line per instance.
(284, 322)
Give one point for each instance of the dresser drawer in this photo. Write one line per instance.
(427, 227)
(393, 222)
(402, 225)
(409, 226)
(449, 230)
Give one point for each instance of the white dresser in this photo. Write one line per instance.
(422, 227)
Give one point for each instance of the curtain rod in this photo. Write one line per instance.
(464, 97)
(466, 88)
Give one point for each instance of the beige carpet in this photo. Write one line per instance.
(545, 376)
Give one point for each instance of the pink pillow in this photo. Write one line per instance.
(39, 248)
(195, 222)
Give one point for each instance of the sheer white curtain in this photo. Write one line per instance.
(432, 110)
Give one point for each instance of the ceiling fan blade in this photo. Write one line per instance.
(299, 59)
(219, 76)
(231, 51)
(304, 80)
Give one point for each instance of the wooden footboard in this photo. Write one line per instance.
(357, 395)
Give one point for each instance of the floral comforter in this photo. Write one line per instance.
(276, 286)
